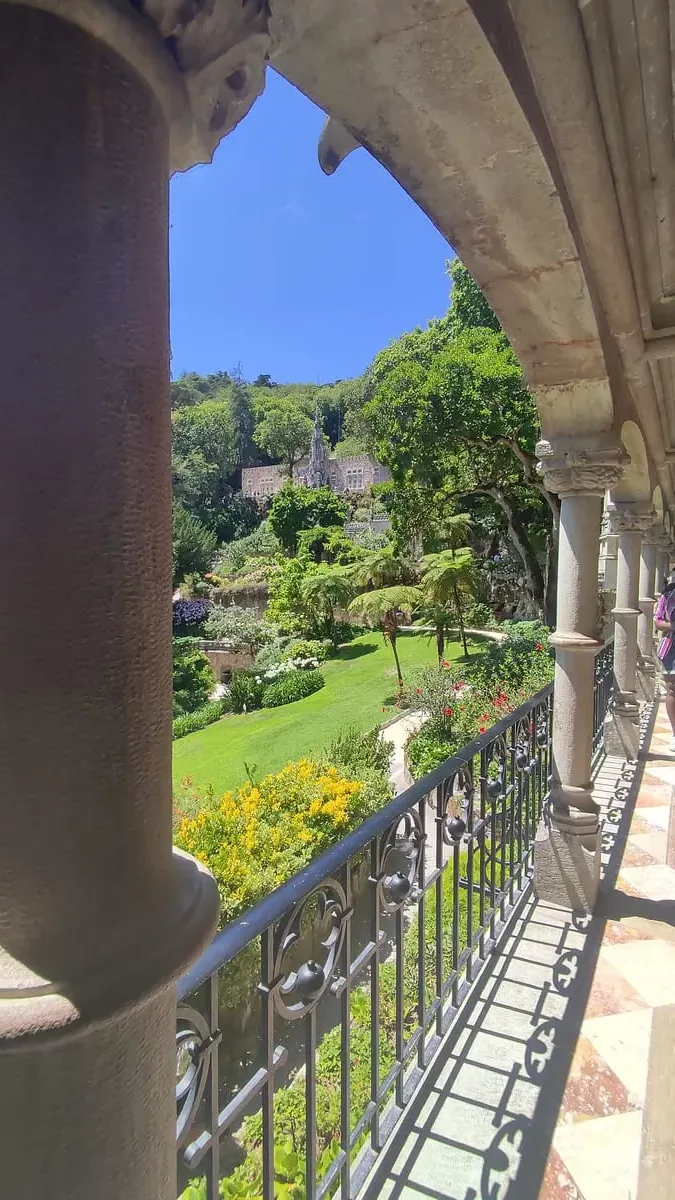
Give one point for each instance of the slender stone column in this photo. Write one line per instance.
(97, 916)
(567, 858)
(646, 674)
(629, 521)
(609, 556)
(662, 568)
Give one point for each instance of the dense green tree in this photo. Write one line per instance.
(191, 388)
(449, 412)
(327, 543)
(204, 456)
(469, 308)
(284, 432)
(193, 679)
(297, 507)
(193, 545)
(243, 420)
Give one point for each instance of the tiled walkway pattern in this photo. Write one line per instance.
(541, 1096)
(596, 1145)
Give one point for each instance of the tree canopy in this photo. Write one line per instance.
(450, 415)
(296, 507)
(284, 432)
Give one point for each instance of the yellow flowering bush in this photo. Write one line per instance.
(257, 837)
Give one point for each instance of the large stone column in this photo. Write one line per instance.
(567, 851)
(646, 672)
(97, 916)
(630, 522)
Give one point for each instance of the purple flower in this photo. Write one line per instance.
(188, 614)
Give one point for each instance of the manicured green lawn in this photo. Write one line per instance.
(359, 681)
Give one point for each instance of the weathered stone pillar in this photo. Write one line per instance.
(97, 916)
(646, 671)
(630, 521)
(567, 853)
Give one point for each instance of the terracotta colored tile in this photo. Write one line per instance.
(616, 932)
(557, 1183)
(592, 1089)
(652, 798)
(610, 992)
(627, 888)
(638, 856)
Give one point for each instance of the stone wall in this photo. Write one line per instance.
(224, 660)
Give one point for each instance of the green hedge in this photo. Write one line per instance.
(294, 686)
(200, 718)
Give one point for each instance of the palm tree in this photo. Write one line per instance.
(384, 605)
(323, 591)
(380, 568)
(445, 577)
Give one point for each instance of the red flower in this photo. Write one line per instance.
(482, 728)
(444, 662)
(447, 712)
(418, 691)
(539, 646)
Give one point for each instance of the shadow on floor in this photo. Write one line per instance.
(483, 1124)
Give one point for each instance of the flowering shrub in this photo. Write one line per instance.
(281, 683)
(256, 838)
(463, 706)
(188, 617)
(309, 648)
(436, 691)
(294, 685)
(278, 670)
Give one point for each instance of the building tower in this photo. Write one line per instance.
(317, 471)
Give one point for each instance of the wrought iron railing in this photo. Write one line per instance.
(602, 693)
(348, 977)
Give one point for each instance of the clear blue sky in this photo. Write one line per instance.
(290, 272)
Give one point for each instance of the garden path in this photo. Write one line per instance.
(398, 733)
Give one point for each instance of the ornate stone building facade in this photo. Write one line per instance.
(343, 475)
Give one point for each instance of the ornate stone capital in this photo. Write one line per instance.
(631, 518)
(659, 538)
(205, 62)
(581, 466)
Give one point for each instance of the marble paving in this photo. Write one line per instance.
(551, 1085)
